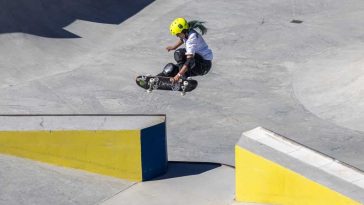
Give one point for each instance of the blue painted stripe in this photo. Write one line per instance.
(154, 151)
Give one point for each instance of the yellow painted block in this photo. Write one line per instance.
(113, 152)
(259, 180)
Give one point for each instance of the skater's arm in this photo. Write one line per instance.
(175, 46)
(184, 68)
(186, 65)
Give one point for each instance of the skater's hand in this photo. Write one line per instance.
(176, 78)
(169, 48)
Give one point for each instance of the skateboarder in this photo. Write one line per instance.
(195, 58)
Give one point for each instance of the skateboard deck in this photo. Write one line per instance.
(151, 83)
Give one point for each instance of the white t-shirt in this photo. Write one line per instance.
(196, 44)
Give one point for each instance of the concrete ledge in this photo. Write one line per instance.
(274, 169)
(131, 147)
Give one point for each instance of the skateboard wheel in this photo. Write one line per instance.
(141, 82)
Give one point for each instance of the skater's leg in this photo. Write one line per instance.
(180, 57)
(170, 70)
(200, 66)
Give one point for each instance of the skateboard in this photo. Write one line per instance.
(151, 83)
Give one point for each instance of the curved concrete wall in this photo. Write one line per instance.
(128, 147)
(48, 18)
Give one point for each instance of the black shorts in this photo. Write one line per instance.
(202, 66)
(199, 67)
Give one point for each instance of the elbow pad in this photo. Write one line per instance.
(190, 62)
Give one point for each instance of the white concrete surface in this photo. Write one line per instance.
(79, 122)
(215, 185)
(255, 80)
(330, 85)
(26, 182)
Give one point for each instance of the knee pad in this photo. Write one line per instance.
(180, 55)
(170, 70)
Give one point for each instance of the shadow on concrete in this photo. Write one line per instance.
(182, 169)
(47, 18)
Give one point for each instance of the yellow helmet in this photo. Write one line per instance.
(178, 25)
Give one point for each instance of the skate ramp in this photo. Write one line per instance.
(127, 147)
(48, 18)
(274, 169)
(330, 85)
(258, 76)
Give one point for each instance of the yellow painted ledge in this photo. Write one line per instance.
(259, 180)
(114, 153)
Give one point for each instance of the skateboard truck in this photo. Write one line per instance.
(152, 84)
(184, 87)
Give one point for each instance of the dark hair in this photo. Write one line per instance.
(197, 25)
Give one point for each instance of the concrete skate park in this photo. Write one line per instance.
(277, 120)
